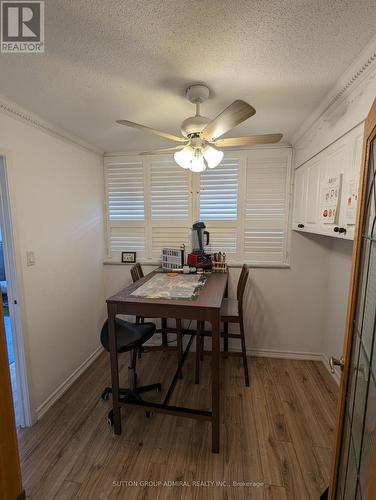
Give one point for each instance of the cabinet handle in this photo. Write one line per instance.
(301, 225)
(336, 229)
(342, 230)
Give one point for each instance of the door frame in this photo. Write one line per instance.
(10, 467)
(12, 266)
(369, 136)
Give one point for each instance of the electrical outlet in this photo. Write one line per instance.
(30, 258)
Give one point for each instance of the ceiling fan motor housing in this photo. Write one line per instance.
(194, 125)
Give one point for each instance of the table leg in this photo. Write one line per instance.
(111, 310)
(179, 342)
(225, 329)
(215, 321)
(164, 333)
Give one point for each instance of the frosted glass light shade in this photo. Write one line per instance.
(212, 156)
(184, 156)
(198, 164)
(190, 158)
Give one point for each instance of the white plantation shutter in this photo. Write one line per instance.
(244, 202)
(125, 189)
(127, 238)
(219, 189)
(223, 239)
(170, 205)
(266, 206)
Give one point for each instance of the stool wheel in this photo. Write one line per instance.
(159, 388)
(105, 396)
(148, 414)
(110, 418)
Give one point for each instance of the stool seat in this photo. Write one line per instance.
(128, 335)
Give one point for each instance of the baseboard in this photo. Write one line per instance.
(265, 353)
(46, 405)
(274, 353)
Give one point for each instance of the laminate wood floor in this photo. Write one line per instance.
(276, 434)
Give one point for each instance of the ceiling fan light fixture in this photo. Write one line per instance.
(198, 163)
(184, 156)
(190, 158)
(213, 157)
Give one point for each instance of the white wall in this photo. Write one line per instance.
(337, 292)
(56, 191)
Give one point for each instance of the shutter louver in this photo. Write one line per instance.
(266, 209)
(170, 201)
(128, 238)
(163, 238)
(169, 191)
(126, 205)
(219, 191)
(223, 240)
(125, 188)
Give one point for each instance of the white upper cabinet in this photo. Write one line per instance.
(339, 163)
(313, 179)
(299, 198)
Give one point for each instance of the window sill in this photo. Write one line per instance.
(230, 265)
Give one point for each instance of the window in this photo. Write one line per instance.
(125, 189)
(152, 203)
(219, 195)
(170, 201)
(266, 208)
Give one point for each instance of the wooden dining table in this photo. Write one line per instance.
(205, 307)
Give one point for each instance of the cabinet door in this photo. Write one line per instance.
(299, 197)
(351, 184)
(313, 178)
(335, 164)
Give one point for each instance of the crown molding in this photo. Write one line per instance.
(15, 111)
(357, 73)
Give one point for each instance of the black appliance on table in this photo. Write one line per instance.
(198, 257)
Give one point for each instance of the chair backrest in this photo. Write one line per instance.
(136, 272)
(242, 284)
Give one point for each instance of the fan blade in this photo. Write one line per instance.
(164, 150)
(234, 114)
(150, 130)
(248, 141)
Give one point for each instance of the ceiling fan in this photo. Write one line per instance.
(199, 148)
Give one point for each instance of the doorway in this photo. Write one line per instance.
(8, 330)
(11, 306)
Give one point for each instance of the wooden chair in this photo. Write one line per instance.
(137, 273)
(231, 312)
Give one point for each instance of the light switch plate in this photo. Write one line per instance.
(30, 258)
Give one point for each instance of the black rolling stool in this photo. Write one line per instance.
(129, 338)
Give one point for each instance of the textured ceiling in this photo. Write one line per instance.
(111, 59)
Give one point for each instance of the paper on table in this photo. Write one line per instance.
(162, 286)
